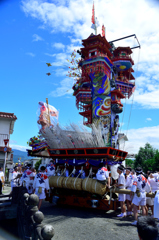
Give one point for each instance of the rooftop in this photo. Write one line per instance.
(8, 115)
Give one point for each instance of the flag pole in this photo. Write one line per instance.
(48, 109)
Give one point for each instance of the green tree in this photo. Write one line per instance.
(156, 158)
(145, 158)
(37, 164)
(129, 163)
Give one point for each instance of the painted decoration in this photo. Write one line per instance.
(100, 84)
(101, 106)
(122, 65)
(47, 115)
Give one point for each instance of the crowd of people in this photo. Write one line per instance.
(136, 181)
(35, 182)
(139, 184)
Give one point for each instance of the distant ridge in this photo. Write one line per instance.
(20, 154)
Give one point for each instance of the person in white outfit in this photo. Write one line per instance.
(141, 185)
(121, 185)
(50, 169)
(1, 179)
(102, 175)
(14, 181)
(41, 183)
(128, 185)
(27, 178)
(154, 184)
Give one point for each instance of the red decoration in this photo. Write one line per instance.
(103, 31)
(87, 164)
(93, 15)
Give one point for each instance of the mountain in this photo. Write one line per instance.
(20, 154)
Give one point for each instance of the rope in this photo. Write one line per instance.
(69, 176)
(57, 169)
(61, 176)
(126, 98)
(78, 176)
(133, 97)
(95, 186)
(63, 172)
(58, 180)
(90, 172)
(123, 115)
(111, 191)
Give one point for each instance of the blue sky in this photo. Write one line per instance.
(34, 32)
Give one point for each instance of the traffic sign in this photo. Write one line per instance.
(5, 149)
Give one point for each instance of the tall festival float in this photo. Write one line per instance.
(104, 79)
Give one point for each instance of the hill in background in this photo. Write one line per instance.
(20, 154)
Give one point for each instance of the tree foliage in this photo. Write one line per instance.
(37, 164)
(147, 158)
(129, 163)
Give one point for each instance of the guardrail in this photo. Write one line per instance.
(24, 208)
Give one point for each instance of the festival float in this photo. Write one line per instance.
(104, 78)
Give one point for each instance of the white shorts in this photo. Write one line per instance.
(121, 197)
(150, 201)
(40, 195)
(140, 200)
(128, 197)
(30, 188)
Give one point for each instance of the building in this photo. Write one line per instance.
(7, 121)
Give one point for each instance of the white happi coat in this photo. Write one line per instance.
(121, 180)
(154, 183)
(156, 205)
(129, 182)
(102, 174)
(14, 182)
(26, 177)
(141, 183)
(50, 170)
(1, 176)
(41, 180)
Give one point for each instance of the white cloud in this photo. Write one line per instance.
(12, 142)
(60, 59)
(59, 46)
(147, 99)
(37, 38)
(148, 119)
(18, 147)
(139, 137)
(75, 18)
(64, 89)
(30, 54)
(72, 47)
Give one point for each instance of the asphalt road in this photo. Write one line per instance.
(85, 224)
(72, 223)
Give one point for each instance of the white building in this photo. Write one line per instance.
(7, 121)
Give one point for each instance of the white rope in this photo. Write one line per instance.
(57, 169)
(90, 172)
(69, 176)
(126, 98)
(78, 176)
(95, 186)
(132, 97)
(58, 180)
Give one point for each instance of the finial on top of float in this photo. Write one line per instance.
(95, 22)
